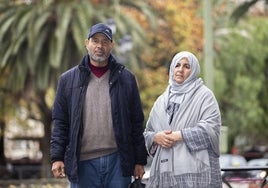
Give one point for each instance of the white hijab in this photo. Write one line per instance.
(187, 85)
(178, 91)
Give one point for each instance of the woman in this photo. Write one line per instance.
(183, 129)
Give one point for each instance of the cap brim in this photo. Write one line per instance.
(101, 33)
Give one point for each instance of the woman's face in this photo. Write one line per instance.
(182, 71)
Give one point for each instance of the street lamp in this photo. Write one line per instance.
(125, 44)
(111, 23)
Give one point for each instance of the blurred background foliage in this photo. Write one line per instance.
(242, 58)
(41, 39)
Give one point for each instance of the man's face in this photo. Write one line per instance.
(182, 71)
(99, 48)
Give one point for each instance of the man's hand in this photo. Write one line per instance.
(139, 171)
(58, 169)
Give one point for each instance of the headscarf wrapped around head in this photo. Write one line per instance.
(188, 84)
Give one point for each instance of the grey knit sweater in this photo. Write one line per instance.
(98, 136)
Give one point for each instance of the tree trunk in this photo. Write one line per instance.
(2, 133)
(45, 141)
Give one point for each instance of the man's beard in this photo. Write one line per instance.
(99, 59)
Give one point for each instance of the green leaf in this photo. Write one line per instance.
(63, 20)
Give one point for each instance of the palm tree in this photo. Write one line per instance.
(41, 39)
(242, 9)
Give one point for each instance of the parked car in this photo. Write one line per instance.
(258, 162)
(233, 161)
(262, 162)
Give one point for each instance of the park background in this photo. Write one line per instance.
(40, 39)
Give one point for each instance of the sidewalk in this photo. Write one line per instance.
(35, 183)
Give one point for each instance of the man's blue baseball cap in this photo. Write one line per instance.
(101, 28)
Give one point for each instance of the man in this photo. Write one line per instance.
(97, 139)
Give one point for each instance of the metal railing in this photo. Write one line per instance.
(264, 180)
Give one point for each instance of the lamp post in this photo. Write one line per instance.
(111, 23)
(208, 49)
(125, 44)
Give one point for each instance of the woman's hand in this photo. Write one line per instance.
(176, 135)
(164, 139)
(167, 138)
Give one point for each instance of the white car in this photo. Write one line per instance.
(262, 162)
(230, 160)
(233, 161)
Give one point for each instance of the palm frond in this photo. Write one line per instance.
(241, 10)
(56, 49)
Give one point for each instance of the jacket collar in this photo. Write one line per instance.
(115, 68)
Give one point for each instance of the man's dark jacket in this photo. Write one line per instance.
(127, 116)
